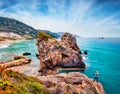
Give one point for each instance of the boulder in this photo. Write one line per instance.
(61, 54)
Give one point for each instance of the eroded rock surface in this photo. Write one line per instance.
(54, 54)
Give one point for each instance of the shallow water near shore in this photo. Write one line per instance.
(103, 55)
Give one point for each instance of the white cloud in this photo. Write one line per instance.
(65, 19)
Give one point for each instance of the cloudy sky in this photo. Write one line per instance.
(87, 18)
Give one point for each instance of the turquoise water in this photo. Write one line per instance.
(9, 52)
(103, 55)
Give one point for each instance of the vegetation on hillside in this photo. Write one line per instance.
(55, 35)
(17, 27)
(43, 36)
(16, 83)
(12, 25)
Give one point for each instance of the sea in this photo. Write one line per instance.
(103, 56)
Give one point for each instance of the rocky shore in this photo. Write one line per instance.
(53, 55)
(10, 41)
(72, 83)
(18, 60)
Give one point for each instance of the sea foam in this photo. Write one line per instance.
(86, 59)
(4, 45)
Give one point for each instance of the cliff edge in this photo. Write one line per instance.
(72, 83)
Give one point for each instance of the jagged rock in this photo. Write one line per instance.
(70, 41)
(54, 53)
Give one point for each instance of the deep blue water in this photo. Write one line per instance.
(103, 55)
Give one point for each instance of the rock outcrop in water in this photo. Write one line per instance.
(55, 54)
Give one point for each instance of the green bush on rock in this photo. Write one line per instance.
(43, 36)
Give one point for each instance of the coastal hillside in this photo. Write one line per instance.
(11, 25)
(52, 34)
(12, 82)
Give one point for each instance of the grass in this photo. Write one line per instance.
(36, 88)
(9, 88)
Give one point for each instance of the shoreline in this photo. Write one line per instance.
(9, 41)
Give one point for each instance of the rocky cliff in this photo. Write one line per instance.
(72, 83)
(56, 54)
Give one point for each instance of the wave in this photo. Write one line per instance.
(85, 59)
(102, 48)
(0, 56)
(4, 45)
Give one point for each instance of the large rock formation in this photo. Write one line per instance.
(54, 53)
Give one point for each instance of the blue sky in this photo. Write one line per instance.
(87, 18)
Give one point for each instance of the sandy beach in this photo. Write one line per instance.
(9, 41)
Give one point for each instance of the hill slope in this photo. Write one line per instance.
(12, 25)
(55, 35)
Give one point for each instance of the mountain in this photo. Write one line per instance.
(17, 27)
(10, 25)
(61, 33)
(55, 35)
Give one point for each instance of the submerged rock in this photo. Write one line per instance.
(54, 54)
(37, 55)
(85, 53)
(26, 53)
